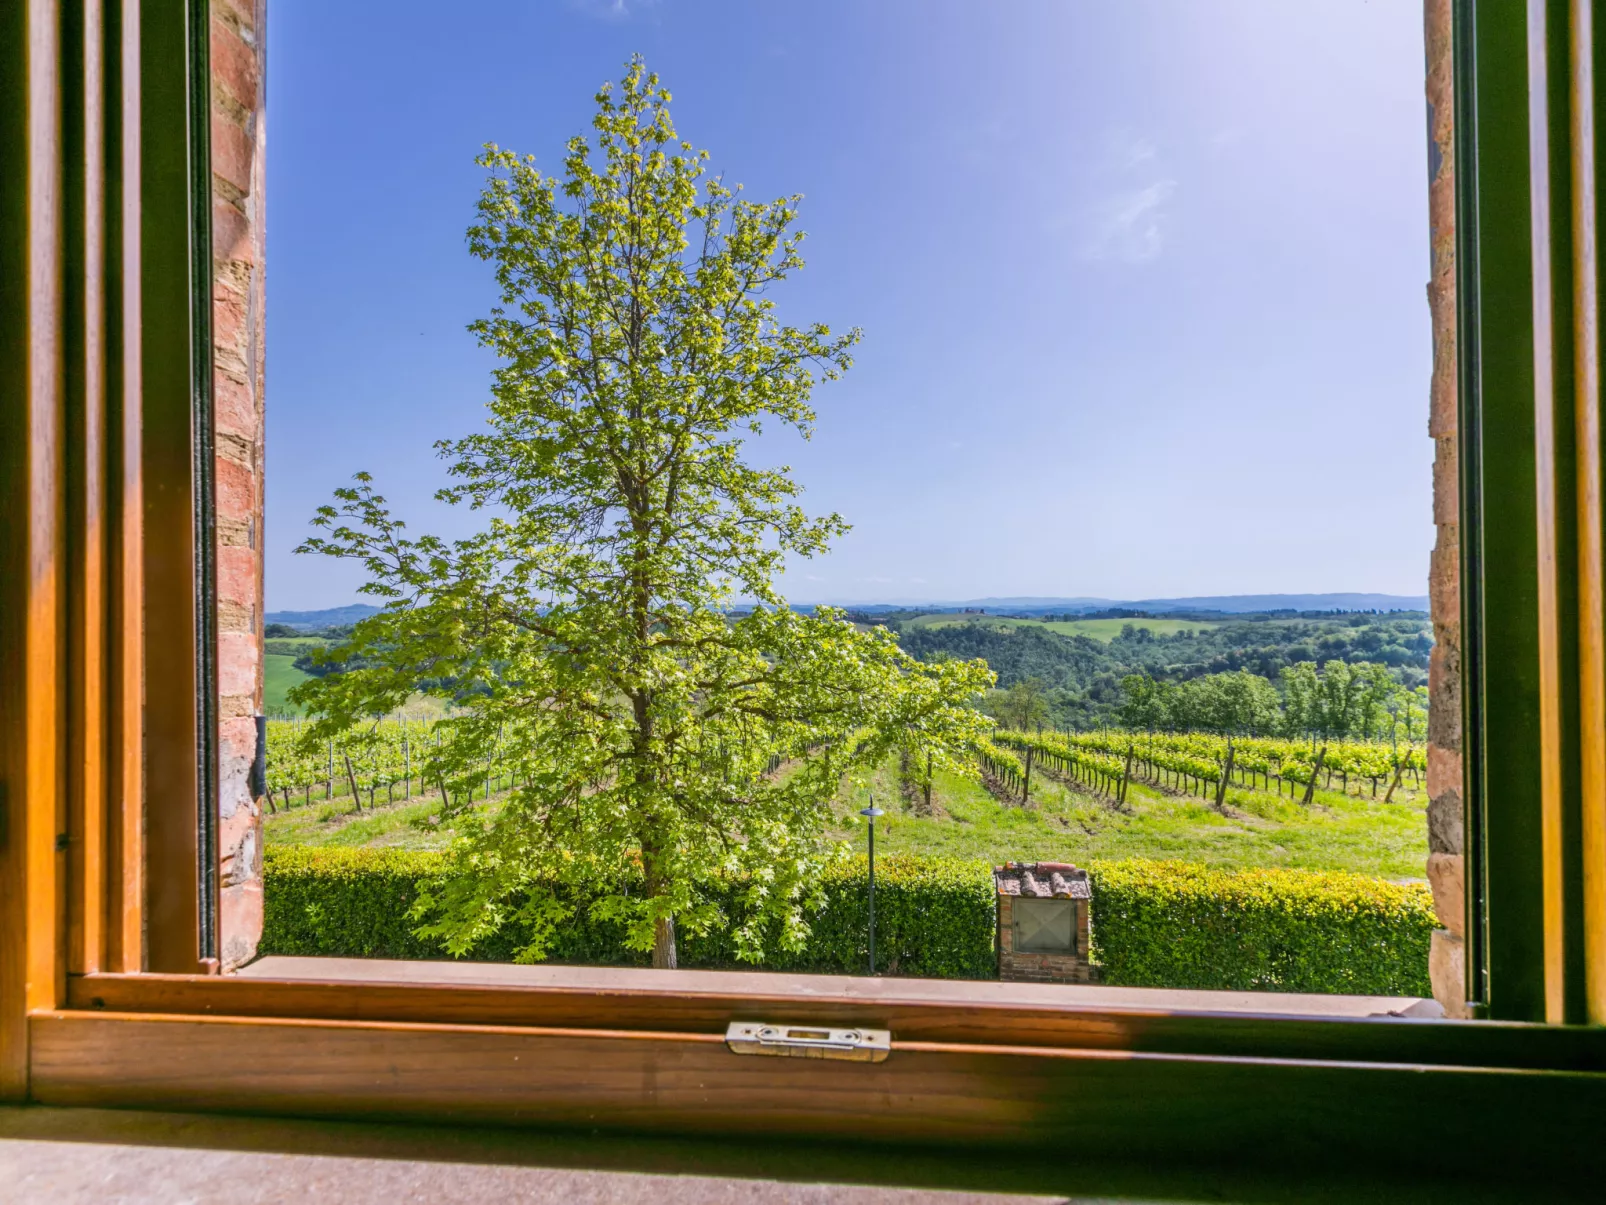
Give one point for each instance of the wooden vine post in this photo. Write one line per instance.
(351, 777)
(1399, 769)
(1310, 787)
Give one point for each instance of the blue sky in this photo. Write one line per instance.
(1142, 285)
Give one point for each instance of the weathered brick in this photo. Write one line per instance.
(1447, 877)
(237, 741)
(234, 62)
(1444, 696)
(1444, 770)
(232, 322)
(234, 407)
(1444, 578)
(1445, 809)
(237, 575)
(236, 488)
(1447, 972)
(222, 190)
(233, 533)
(233, 707)
(233, 239)
(240, 919)
(1446, 823)
(1443, 416)
(238, 664)
(240, 839)
(232, 153)
(240, 15)
(240, 449)
(235, 616)
(1446, 482)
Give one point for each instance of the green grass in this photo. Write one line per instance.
(333, 822)
(1099, 629)
(1338, 832)
(279, 674)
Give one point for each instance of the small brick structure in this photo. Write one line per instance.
(1043, 930)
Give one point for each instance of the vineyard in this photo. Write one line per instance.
(1198, 763)
(384, 762)
(1083, 798)
(388, 761)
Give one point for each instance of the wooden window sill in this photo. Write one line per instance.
(861, 990)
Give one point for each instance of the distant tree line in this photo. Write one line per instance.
(1335, 702)
(1339, 701)
(1081, 677)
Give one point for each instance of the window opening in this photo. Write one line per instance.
(1163, 630)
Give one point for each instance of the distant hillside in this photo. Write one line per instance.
(333, 617)
(1233, 604)
(1083, 672)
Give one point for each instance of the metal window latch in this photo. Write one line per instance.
(809, 1041)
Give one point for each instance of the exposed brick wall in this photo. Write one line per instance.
(237, 340)
(1446, 872)
(1036, 966)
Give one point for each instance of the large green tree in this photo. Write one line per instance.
(587, 631)
(1023, 706)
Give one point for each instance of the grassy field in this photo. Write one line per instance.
(387, 826)
(1099, 629)
(1338, 832)
(279, 674)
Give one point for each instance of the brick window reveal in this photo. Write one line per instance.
(238, 137)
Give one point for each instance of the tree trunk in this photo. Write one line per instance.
(663, 944)
(1221, 783)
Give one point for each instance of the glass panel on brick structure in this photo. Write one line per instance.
(1057, 513)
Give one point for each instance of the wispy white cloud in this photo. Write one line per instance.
(1133, 153)
(1125, 217)
(608, 10)
(1129, 226)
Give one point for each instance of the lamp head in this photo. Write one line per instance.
(871, 812)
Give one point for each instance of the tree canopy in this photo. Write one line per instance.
(657, 736)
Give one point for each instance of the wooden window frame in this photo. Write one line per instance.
(107, 889)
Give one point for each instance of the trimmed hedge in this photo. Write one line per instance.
(1179, 925)
(934, 917)
(1155, 924)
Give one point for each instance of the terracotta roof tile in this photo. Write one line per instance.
(1043, 880)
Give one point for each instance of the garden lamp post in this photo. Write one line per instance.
(870, 813)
